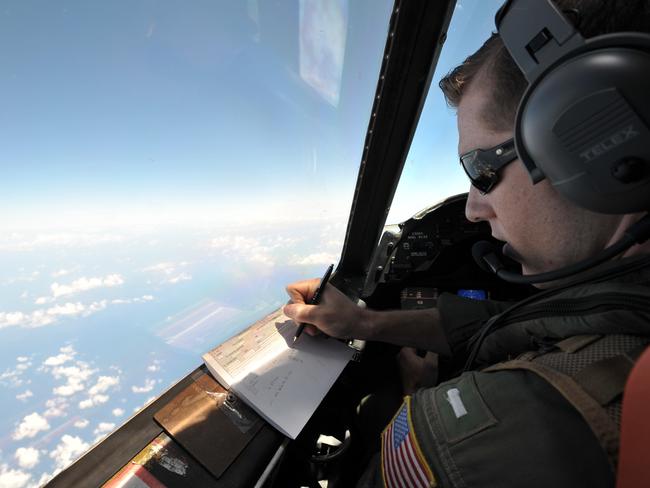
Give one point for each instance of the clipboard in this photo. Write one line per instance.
(210, 423)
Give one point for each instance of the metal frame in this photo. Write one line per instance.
(417, 31)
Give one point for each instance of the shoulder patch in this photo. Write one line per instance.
(402, 461)
(461, 408)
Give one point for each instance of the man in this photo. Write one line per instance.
(510, 426)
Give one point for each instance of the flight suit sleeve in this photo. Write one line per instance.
(502, 429)
(461, 317)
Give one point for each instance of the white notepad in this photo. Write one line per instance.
(282, 381)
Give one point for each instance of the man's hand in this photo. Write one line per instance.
(335, 315)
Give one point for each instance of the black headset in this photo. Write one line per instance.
(583, 121)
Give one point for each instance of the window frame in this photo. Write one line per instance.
(417, 32)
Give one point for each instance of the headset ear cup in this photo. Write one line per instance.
(584, 125)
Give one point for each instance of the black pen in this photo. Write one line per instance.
(317, 296)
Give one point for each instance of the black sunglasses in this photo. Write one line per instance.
(483, 165)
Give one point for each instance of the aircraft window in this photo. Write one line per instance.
(166, 169)
(431, 171)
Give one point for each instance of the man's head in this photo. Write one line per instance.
(543, 230)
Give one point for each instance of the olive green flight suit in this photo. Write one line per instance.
(551, 418)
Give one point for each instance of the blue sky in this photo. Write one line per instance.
(223, 102)
(166, 171)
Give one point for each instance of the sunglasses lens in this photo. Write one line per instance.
(481, 174)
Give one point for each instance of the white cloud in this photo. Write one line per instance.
(96, 392)
(147, 387)
(23, 366)
(118, 412)
(69, 449)
(47, 316)
(102, 430)
(75, 377)
(93, 401)
(104, 427)
(179, 278)
(85, 284)
(103, 384)
(12, 318)
(61, 272)
(171, 271)
(95, 307)
(24, 395)
(56, 407)
(143, 298)
(84, 404)
(27, 457)
(99, 399)
(13, 478)
(167, 268)
(44, 479)
(73, 386)
(146, 402)
(67, 309)
(154, 366)
(11, 378)
(31, 425)
(315, 259)
(99, 438)
(59, 359)
(81, 424)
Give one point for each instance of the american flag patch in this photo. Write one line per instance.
(402, 462)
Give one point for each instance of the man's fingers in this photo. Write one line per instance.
(311, 330)
(300, 313)
(295, 296)
(302, 291)
(408, 353)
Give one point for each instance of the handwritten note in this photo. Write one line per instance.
(283, 382)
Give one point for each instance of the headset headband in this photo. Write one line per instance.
(537, 36)
(583, 123)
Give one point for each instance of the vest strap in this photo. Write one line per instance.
(605, 380)
(575, 343)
